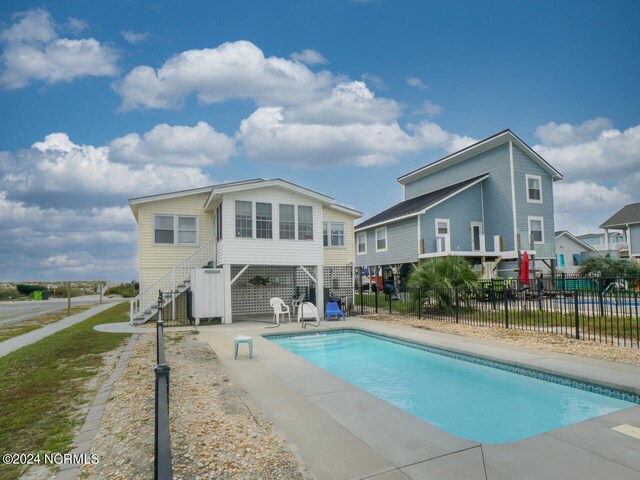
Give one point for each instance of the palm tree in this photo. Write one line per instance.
(442, 276)
(608, 267)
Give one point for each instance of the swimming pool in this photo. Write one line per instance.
(467, 396)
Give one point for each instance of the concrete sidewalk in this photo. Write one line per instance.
(20, 341)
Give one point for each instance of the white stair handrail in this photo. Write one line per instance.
(170, 280)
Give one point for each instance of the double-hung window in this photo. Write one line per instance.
(536, 229)
(175, 230)
(287, 222)
(361, 241)
(381, 239)
(244, 219)
(333, 234)
(305, 222)
(534, 188)
(263, 220)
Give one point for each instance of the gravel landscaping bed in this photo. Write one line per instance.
(526, 338)
(217, 431)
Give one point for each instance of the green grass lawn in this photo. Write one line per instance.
(43, 385)
(35, 323)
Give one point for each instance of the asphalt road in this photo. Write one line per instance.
(14, 312)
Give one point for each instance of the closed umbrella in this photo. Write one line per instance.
(524, 269)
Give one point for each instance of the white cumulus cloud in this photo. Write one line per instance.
(134, 37)
(200, 145)
(592, 150)
(232, 70)
(310, 57)
(34, 51)
(416, 83)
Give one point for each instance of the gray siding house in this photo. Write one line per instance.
(625, 221)
(488, 202)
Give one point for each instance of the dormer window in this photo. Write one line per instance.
(534, 188)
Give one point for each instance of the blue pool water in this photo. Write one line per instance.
(466, 399)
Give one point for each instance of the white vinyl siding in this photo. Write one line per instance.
(536, 229)
(244, 219)
(175, 230)
(287, 222)
(534, 188)
(381, 239)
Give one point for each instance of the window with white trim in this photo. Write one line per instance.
(175, 230)
(536, 229)
(534, 188)
(381, 239)
(264, 220)
(305, 222)
(361, 241)
(333, 234)
(244, 219)
(287, 222)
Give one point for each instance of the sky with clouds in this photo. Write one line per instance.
(105, 101)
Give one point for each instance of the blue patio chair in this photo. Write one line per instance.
(332, 309)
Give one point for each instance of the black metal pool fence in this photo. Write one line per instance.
(603, 311)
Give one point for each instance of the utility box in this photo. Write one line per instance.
(207, 288)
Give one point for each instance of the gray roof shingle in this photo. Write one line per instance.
(627, 214)
(417, 204)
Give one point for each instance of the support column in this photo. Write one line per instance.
(226, 270)
(320, 290)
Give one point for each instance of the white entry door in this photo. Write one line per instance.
(443, 235)
(476, 235)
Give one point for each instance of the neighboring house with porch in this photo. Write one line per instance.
(626, 223)
(604, 243)
(268, 238)
(570, 251)
(487, 202)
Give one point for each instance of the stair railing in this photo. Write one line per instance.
(170, 280)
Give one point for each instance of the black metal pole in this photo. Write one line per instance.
(506, 311)
(457, 306)
(577, 314)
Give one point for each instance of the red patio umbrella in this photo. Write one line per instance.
(524, 268)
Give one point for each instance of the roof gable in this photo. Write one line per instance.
(471, 151)
(420, 204)
(574, 239)
(626, 215)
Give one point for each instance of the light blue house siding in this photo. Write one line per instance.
(634, 239)
(460, 210)
(496, 189)
(523, 166)
(402, 245)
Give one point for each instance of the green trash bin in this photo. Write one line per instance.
(37, 295)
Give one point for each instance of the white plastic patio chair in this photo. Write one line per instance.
(279, 308)
(296, 304)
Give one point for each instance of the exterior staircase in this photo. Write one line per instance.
(176, 280)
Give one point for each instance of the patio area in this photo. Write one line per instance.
(342, 432)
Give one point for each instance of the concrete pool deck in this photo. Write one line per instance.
(342, 432)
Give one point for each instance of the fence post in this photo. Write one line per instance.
(457, 306)
(419, 302)
(506, 310)
(601, 295)
(375, 298)
(389, 303)
(577, 314)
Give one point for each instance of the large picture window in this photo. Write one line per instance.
(305, 222)
(263, 220)
(287, 222)
(175, 230)
(244, 219)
